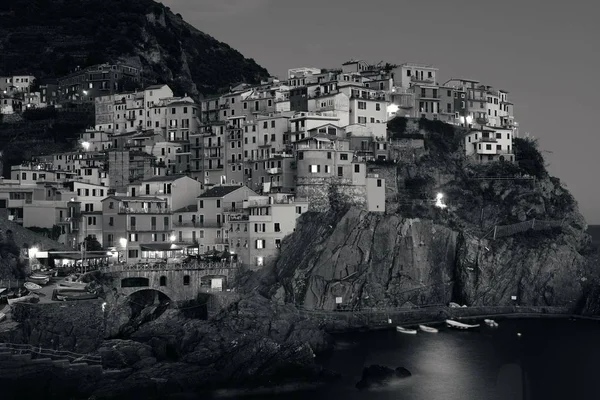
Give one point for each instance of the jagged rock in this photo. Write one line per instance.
(119, 354)
(378, 376)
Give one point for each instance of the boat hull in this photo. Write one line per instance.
(39, 281)
(427, 329)
(406, 331)
(21, 299)
(459, 325)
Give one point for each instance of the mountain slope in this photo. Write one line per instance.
(64, 34)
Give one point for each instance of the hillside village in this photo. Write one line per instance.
(160, 176)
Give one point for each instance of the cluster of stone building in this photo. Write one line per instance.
(160, 174)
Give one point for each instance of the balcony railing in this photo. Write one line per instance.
(192, 224)
(414, 78)
(214, 145)
(149, 210)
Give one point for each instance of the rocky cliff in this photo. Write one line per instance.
(64, 34)
(481, 250)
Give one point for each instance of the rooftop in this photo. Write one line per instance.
(219, 191)
(192, 208)
(167, 178)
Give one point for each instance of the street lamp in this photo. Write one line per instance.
(439, 201)
(85, 145)
(124, 244)
(172, 238)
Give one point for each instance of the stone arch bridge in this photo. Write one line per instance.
(179, 282)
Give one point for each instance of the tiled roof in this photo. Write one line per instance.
(219, 191)
(192, 208)
(166, 178)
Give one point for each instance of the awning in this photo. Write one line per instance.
(159, 247)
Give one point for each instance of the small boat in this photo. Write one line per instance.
(491, 323)
(72, 285)
(454, 305)
(32, 286)
(21, 299)
(459, 325)
(405, 330)
(39, 279)
(70, 288)
(428, 329)
(73, 295)
(2, 290)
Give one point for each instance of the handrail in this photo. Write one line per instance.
(27, 348)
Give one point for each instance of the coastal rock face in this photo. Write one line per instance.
(376, 260)
(367, 260)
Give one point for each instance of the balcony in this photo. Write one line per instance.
(487, 140)
(213, 145)
(213, 155)
(274, 171)
(264, 145)
(414, 78)
(130, 210)
(213, 167)
(237, 207)
(224, 106)
(130, 117)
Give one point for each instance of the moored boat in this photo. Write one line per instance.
(491, 323)
(454, 305)
(21, 299)
(38, 279)
(459, 325)
(406, 330)
(32, 286)
(428, 329)
(72, 285)
(72, 295)
(2, 317)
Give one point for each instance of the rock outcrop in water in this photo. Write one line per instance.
(377, 376)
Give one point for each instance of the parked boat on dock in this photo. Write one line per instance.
(21, 299)
(32, 286)
(73, 295)
(406, 330)
(428, 329)
(39, 279)
(459, 325)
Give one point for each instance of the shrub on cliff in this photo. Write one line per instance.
(529, 158)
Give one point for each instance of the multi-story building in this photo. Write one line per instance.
(407, 74)
(326, 164)
(85, 212)
(95, 141)
(489, 145)
(140, 228)
(97, 80)
(214, 157)
(212, 208)
(126, 167)
(49, 93)
(178, 190)
(257, 228)
(89, 167)
(273, 174)
(10, 104)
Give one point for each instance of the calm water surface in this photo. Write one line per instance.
(556, 358)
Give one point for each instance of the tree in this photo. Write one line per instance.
(92, 244)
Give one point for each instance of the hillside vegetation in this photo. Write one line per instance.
(64, 34)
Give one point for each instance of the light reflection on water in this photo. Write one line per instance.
(556, 359)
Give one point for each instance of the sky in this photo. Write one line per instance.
(542, 53)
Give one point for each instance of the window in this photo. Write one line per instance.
(201, 203)
(300, 155)
(186, 280)
(260, 243)
(329, 155)
(163, 281)
(344, 156)
(488, 146)
(111, 221)
(218, 203)
(166, 221)
(362, 105)
(377, 107)
(362, 120)
(378, 182)
(313, 169)
(356, 168)
(276, 227)
(340, 171)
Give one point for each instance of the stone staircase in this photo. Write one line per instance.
(18, 360)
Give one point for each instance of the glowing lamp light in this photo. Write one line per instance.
(123, 242)
(103, 306)
(85, 92)
(439, 201)
(469, 119)
(392, 108)
(85, 145)
(172, 238)
(33, 252)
